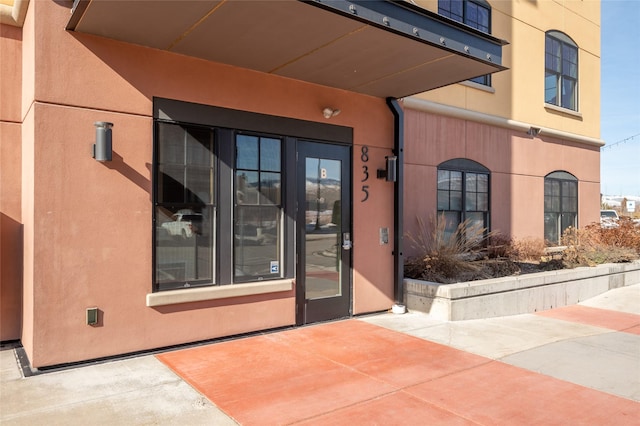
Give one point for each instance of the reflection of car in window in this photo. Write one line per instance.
(184, 224)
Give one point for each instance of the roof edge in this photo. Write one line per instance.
(422, 25)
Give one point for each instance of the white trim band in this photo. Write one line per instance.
(494, 120)
(200, 294)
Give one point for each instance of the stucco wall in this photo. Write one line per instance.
(10, 182)
(10, 232)
(89, 226)
(11, 72)
(518, 164)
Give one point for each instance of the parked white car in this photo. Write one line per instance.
(184, 224)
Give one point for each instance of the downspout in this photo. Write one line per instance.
(398, 205)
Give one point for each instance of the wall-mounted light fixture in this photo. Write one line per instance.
(390, 173)
(330, 112)
(102, 148)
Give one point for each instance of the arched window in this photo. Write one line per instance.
(474, 13)
(463, 193)
(560, 204)
(561, 71)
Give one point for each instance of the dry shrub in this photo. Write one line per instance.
(594, 245)
(528, 249)
(472, 253)
(445, 258)
(432, 238)
(626, 234)
(499, 245)
(499, 268)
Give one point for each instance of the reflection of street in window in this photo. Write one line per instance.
(257, 213)
(321, 268)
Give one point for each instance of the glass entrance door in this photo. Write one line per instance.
(323, 278)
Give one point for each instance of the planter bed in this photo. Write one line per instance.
(519, 294)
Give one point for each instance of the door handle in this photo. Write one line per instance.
(346, 241)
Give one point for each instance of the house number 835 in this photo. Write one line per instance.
(364, 156)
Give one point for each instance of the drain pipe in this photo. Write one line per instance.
(398, 205)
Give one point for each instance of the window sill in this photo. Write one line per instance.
(566, 111)
(478, 86)
(200, 294)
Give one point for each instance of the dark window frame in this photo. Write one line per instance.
(258, 205)
(465, 168)
(564, 182)
(224, 169)
(560, 66)
(190, 202)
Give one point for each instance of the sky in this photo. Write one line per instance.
(620, 102)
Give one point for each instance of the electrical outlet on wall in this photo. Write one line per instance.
(92, 316)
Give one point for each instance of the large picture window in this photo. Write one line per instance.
(463, 194)
(560, 205)
(474, 13)
(561, 71)
(185, 209)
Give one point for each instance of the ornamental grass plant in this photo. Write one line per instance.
(461, 255)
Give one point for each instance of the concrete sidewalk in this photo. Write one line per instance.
(593, 346)
(602, 358)
(136, 391)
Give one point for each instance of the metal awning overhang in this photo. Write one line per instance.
(379, 48)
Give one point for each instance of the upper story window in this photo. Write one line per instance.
(474, 13)
(561, 71)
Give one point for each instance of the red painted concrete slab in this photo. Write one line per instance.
(398, 408)
(351, 372)
(633, 330)
(614, 320)
(260, 380)
(500, 394)
(395, 358)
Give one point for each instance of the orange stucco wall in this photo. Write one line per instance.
(10, 183)
(87, 225)
(518, 164)
(10, 233)
(11, 73)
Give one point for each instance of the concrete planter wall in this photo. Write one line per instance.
(517, 294)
